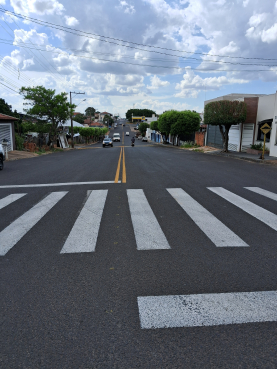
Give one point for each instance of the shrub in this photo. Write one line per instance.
(19, 141)
(258, 147)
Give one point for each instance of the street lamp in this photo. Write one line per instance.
(80, 102)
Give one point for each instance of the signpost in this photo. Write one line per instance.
(265, 129)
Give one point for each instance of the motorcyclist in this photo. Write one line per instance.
(133, 140)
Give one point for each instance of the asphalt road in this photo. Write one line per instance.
(79, 309)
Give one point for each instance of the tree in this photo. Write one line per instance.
(44, 104)
(80, 118)
(187, 123)
(5, 108)
(154, 125)
(143, 127)
(139, 112)
(225, 113)
(166, 120)
(90, 111)
(108, 119)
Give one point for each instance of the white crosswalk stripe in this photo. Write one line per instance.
(217, 232)
(260, 191)
(207, 309)
(256, 211)
(83, 236)
(148, 233)
(17, 229)
(10, 198)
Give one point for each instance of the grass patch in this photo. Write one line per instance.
(189, 145)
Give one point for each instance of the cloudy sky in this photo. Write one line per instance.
(155, 54)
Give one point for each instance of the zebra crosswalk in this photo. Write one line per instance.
(148, 231)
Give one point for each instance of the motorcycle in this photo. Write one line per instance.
(132, 144)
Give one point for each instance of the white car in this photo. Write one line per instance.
(2, 157)
(116, 137)
(127, 133)
(144, 139)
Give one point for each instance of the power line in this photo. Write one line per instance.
(4, 63)
(36, 58)
(69, 29)
(155, 66)
(9, 87)
(35, 45)
(154, 59)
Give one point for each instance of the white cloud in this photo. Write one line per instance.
(71, 21)
(156, 83)
(44, 7)
(128, 9)
(192, 84)
(2, 2)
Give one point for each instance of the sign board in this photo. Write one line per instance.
(265, 128)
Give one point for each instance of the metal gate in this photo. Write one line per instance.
(6, 132)
(214, 137)
(247, 136)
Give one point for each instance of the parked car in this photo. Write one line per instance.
(127, 133)
(2, 157)
(139, 137)
(144, 139)
(116, 137)
(107, 142)
(137, 134)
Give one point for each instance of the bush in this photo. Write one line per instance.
(19, 142)
(258, 147)
(189, 144)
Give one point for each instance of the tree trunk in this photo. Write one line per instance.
(225, 136)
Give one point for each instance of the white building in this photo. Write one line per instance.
(261, 109)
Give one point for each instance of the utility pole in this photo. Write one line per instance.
(75, 93)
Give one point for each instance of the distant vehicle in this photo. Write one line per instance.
(116, 137)
(107, 142)
(139, 137)
(2, 157)
(127, 133)
(144, 139)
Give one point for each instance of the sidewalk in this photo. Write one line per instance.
(16, 155)
(245, 156)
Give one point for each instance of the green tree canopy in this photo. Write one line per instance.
(154, 125)
(143, 127)
(80, 118)
(5, 108)
(225, 113)
(107, 118)
(44, 104)
(166, 120)
(90, 111)
(139, 112)
(187, 123)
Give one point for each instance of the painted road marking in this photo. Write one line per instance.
(83, 236)
(123, 167)
(9, 199)
(217, 232)
(60, 184)
(118, 167)
(260, 191)
(207, 309)
(148, 233)
(256, 211)
(17, 229)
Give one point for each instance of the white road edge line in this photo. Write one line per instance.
(10, 198)
(260, 191)
(256, 211)
(58, 184)
(17, 229)
(83, 235)
(207, 309)
(148, 233)
(217, 232)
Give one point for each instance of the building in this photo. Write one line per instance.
(261, 109)
(7, 130)
(102, 115)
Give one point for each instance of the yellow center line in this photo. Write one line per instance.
(123, 168)
(118, 168)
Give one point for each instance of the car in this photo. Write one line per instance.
(2, 157)
(116, 137)
(139, 137)
(107, 142)
(144, 139)
(127, 133)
